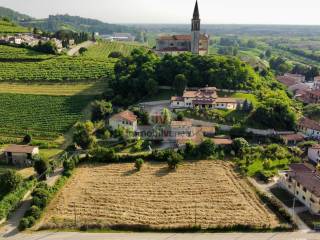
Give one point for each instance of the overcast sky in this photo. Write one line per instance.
(177, 11)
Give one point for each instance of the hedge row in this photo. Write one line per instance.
(12, 200)
(41, 197)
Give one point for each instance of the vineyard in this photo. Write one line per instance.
(102, 49)
(9, 27)
(207, 194)
(8, 53)
(60, 69)
(42, 116)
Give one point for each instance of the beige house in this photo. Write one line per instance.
(20, 155)
(303, 181)
(309, 127)
(125, 119)
(203, 98)
(314, 153)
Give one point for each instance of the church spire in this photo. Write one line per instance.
(196, 14)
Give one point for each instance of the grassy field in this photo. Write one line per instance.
(102, 49)
(9, 27)
(115, 194)
(44, 117)
(93, 88)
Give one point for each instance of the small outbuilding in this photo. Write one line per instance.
(20, 155)
(292, 139)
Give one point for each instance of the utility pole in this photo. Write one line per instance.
(75, 215)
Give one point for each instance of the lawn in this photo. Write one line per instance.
(206, 193)
(258, 166)
(44, 117)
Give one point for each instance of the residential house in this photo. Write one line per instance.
(309, 127)
(181, 128)
(314, 153)
(125, 119)
(20, 155)
(303, 181)
(203, 98)
(292, 139)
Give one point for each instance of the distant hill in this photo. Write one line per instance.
(66, 22)
(13, 15)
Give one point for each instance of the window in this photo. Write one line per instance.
(298, 184)
(304, 189)
(297, 192)
(178, 103)
(304, 198)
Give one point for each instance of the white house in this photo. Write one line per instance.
(21, 155)
(303, 181)
(309, 127)
(314, 153)
(125, 119)
(203, 98)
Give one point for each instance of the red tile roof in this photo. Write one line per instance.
(286, 80)
(222, 141)
(181, 37)
(308, 177)
(308, 123)
(293, 137)
(175, 98)
(20, 148)
(177, 124)
(127, 115)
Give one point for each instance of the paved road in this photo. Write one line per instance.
(167, 236)
(75, 49)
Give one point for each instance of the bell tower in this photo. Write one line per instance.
(195, 30)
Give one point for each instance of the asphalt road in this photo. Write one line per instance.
(166, 236)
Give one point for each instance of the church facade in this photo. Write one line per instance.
(196, 42)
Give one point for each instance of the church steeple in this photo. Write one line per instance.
(196, 14)
(195, 30)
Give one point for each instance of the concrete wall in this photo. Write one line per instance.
(115, 124)
(314, 154)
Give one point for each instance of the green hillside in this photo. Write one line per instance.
(9, 27)
(66, 22)
(13, 15)
(16, 54)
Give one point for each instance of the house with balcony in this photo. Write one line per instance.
(303, 181)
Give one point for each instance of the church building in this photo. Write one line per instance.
(196, 43)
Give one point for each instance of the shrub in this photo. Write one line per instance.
(9, 181)
(174, 160)
(138, 164)
(24, 224)
(207, 148)
(101, 154)
(34, 211)
(27, 139)
(41, 166)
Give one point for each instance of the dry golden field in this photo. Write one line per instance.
(206, 193)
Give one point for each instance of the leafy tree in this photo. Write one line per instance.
(151, 87)
(268, 53)
(180, 83)
(100, 110)
(166, 116)
(9, 181)
(206, 148)
(83, 134)
(312, 111)
(174, 160)
(41, 166)
(252, 43)
(115, 55)
(240, 145)
(82, 50)
(180, 116)
(138, 164)
(27, 139)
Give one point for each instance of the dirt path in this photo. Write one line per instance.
(10, 228)
(75, 49)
